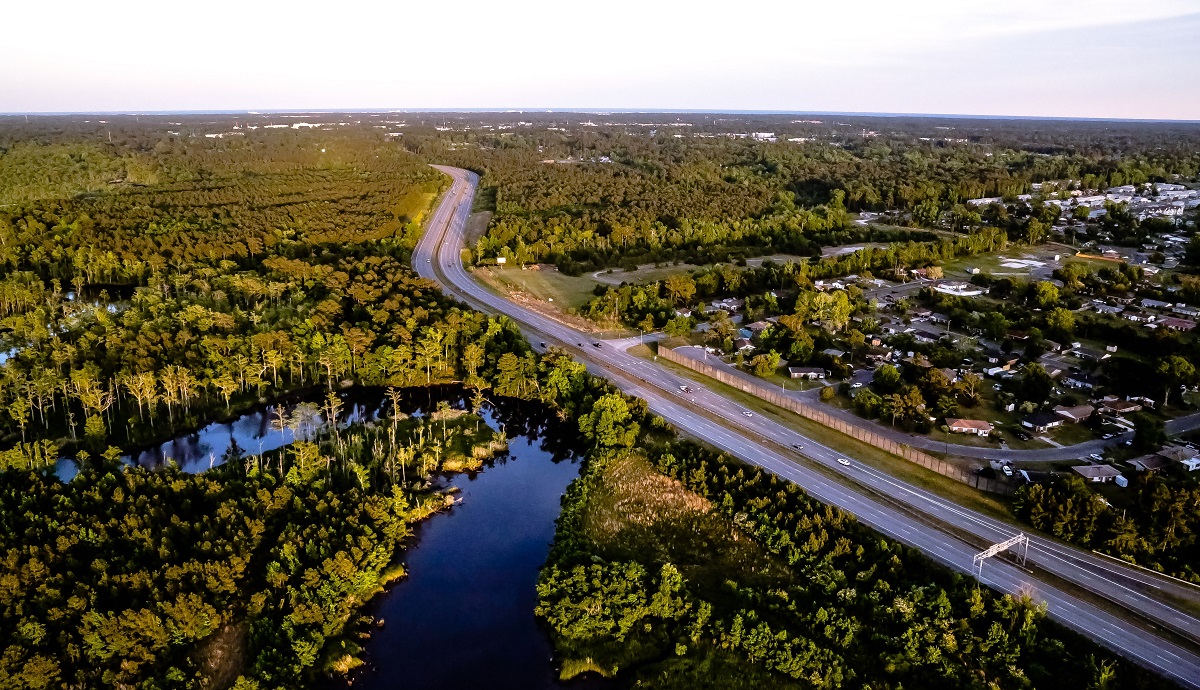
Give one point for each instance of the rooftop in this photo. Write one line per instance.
(1096, 471)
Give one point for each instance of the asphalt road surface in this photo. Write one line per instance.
(942, 530)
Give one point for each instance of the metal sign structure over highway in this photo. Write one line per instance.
(1020, 539)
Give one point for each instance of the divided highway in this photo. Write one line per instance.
(942, 530)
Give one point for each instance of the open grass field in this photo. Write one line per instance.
(651, 272)
(568, 292)
(635, 513)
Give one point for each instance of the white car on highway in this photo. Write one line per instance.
(843, 461)
(747, 413)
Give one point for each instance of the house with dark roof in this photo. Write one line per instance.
(1054, 365)
(1121, 407)
(1150, 463)
(1042, 421)
(1183, 454)
(1176, 324)
(1001, 359)
(1075, 414)
(926, 336)
(1080, 381)
(1090, 354)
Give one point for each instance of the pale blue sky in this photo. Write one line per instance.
(1067, 58)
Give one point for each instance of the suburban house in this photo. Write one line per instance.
(833, 352)
(879, 355)
(1042, 421)
(1150, 463)
(758, 327)
(1097, 473)
(1005, 361)
(1000, 359)
(969, 426)
(1121, 407)
(810, 373)
(919, 361)
(1138, 316)
(1181, 454)
(743, 345)
(925, 336)
(1076, 414)
(1054, 365)
(1176, 324)
(939, 318)
(1080, 381)
(1090, 354)
(728, 304)
(950, 374)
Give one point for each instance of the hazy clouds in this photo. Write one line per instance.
(1099, 58)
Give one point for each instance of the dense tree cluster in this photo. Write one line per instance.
(247, 271)
(621, 194)
(846, 608)
(128, 577)
(1158, 529)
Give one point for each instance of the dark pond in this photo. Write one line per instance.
(463, 618)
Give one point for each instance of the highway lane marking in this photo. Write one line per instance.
(792, 471)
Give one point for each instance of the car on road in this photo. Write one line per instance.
(542, 344)
(995, 386)
(1107, 436)
(856, 384)
(595, 344)
(747, 413)
(1008, 471)
(1097, 457)
(844, 462)
(797, 446)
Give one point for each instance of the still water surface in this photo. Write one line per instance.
(463, 618)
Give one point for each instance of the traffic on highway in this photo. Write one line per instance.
(950, 534)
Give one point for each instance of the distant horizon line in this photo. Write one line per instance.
(599, 111)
